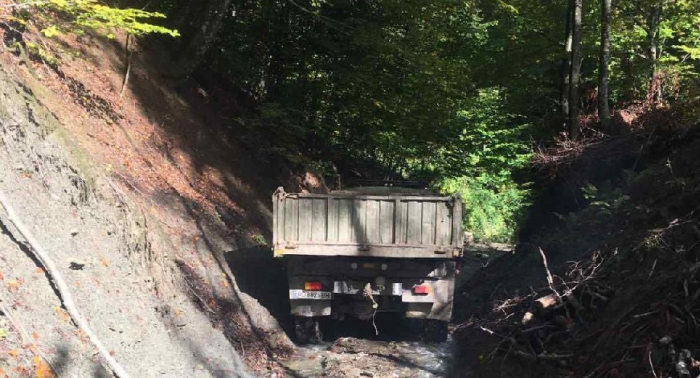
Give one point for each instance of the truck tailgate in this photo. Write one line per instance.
(399, 226)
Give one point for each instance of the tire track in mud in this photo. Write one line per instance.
(354, 357)
(352, 350)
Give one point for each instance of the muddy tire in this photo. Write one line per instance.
(307, 330)
(434, 331)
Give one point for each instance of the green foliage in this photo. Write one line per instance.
(491, 213)
(78, 15)
(490, 142)
(605, 201)
(36, 51)
(677, 37)
(372, 79)
(445, 91)
(259, 239)
(480, 166)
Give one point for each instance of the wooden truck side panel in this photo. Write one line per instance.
(355, 224)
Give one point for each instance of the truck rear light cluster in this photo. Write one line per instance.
(312, 286)
(421, 289)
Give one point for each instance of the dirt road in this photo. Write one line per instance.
(352, 349)
(358, 357)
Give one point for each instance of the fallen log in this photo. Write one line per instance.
(548, 301)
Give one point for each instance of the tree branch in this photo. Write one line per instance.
(66, 297)
(129, 38)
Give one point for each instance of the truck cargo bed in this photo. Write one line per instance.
(397, 225)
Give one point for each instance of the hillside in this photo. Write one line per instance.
(606, 284)
(148, 202)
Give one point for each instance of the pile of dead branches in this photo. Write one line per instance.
(566, 154)
(591, 324)
(534, 326)
(629, 306)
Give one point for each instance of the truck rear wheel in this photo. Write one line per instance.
(307, 330)
(434, 331)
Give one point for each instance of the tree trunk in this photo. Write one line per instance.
(603, 101)
(575, 77)
(566, 66)
(203, 22)
(653, 22)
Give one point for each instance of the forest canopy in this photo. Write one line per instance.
(453, 92)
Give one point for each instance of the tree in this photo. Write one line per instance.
(92, 14)
(566, 64)
(603, 97)
(201, 22)
(653, 23)
(575, 78)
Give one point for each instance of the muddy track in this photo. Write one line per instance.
(357, 357)
(350, 347)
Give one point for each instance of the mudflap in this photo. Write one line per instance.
(428, 330)
(444, 297)
(307, 330)
(434, 331)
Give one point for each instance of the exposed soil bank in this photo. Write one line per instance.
(139, 243)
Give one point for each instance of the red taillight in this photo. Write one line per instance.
(421, 289)
(312, 286)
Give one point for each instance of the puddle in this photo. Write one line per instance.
(352, 357)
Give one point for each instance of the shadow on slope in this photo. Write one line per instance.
(627, 255)
(264, 278)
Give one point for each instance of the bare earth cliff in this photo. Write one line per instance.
(137, 222)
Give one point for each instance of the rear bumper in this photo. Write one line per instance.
(348, 296)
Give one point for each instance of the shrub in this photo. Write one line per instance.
(491, 213)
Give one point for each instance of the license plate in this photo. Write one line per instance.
(303, 294)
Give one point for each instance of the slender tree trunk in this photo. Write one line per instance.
(575, 70)
(277, 51)
(603, 101)
(653, 22)
(566, 66)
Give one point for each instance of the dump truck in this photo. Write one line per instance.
(361, 251)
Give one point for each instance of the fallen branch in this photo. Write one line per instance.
(651, 364)
(128, 65)
(550, 279)
(544, 356)
(204, 304)
(63, 290)
(488, 330)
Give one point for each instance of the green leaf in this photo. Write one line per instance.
(51, 31)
